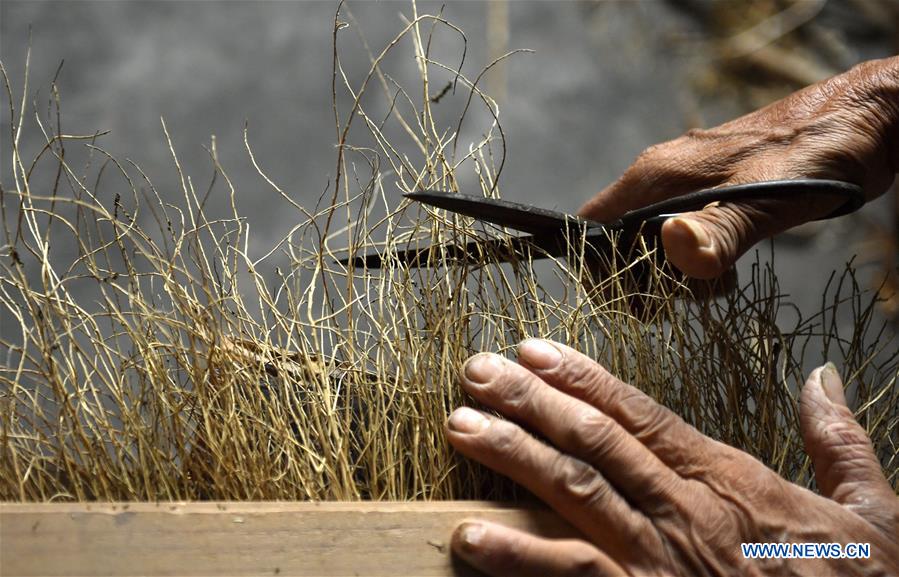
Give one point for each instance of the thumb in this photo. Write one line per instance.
(706, 243)
(846, 468)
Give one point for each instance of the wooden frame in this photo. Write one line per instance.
(239, 538)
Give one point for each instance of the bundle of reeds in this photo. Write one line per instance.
(150, 354)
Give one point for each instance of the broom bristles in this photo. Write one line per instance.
(153, 353)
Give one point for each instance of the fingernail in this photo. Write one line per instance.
(483, 368)
(689, 228)
(832, 384)
(468, 421)
(539, 354)
(471, 534)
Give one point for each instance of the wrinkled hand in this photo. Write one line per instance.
(845, 128)
(651, 494)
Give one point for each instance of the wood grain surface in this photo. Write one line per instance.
(231, 538)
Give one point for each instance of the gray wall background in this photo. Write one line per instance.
(606, 80)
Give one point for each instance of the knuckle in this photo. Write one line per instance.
(580, 482)
(505, 439)
(717, 527)
(584, 562)
(866, 79)
(577, 374)
(654, 152)
(693, 158)
(846, 442)
(842, 432)
(646, 419)
(648, 162)
(696, 134)
(593, 435)
(583, 375)
(663, 496)
(739, 225)
(514, 557)
(515, 391)
(743, 477)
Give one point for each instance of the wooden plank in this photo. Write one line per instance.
(233, 538)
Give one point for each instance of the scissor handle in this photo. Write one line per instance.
(767, 190)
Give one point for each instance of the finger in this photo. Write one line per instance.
(574, 427)
(499, 550)
(846, 468)
(637, 189)
(706, 243)
(573, 488)
(681, 447)
(660, 172)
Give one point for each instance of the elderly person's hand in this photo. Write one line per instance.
(651, 494)
(845, 128)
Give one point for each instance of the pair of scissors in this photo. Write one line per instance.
(551, 232)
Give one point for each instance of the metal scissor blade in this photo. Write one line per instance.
(523, 217)
(473, 253)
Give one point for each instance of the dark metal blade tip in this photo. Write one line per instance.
(421, 194)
